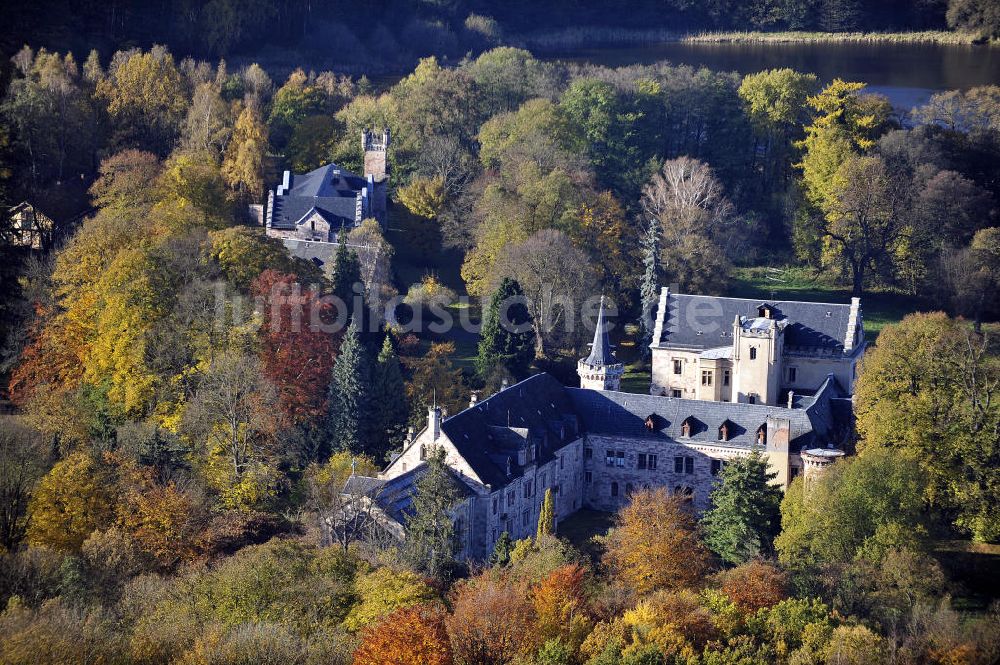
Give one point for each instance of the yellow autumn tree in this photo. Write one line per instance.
(655, 543)
(243, 163)
(72, 501)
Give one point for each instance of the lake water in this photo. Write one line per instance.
(906, 73)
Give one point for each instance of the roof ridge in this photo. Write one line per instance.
(763, 300)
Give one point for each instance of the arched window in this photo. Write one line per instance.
(614, 489)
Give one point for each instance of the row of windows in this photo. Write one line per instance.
(684, 490)
(648, 462)
(707, 375)
(615, 458)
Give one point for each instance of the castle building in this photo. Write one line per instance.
(751, 351)
(593, 446)
(307, 211)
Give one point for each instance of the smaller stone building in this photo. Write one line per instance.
(308, 211)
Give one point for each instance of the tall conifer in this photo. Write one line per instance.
(350, 397)
(388, 400)
(650, 286)
(507, 340)
(430, 533)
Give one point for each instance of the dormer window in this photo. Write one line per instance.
(765, 311)
(724, 432)
(650, 423)
(762, 435)
(686, 427)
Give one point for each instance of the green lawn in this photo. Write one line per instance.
(878, 307)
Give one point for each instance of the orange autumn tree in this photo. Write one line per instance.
(492, 621)
(412, 635)
(561, 607)
(297, 348)
(754, 585)
(655, 544)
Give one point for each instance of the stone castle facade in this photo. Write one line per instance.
(594, 445)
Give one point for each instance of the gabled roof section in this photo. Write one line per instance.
(536, 411)
(625, 414)
(329, 190)
(395, 496)
(706, 322)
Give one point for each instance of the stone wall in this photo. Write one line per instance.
(598, 490)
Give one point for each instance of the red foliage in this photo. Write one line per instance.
(754, 585)
(412, 635)
(297, 347)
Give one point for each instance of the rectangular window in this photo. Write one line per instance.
(510, 526)
(651, 462)
(526, 517)
(588, 477)
(716, 467)
(620, 459)
(561, 462)
(614, 489)
(496, 504)
(792, 374)
(675, 393)
(510, 498)
(678, 366)
(493, 535)
(725, 377)
(688, 465)
(527, 489)
(543, 481)
(706, 377)
(753, 353)
(641, 461)
(678, 464)
(588, 453)
(751, 398)
(609, 458)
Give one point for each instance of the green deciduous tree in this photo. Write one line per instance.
(928, 392)
(862, 507)
(745, 513)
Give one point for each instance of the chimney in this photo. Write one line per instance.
(473, 399)
(434, 422)
(503, 385)
(791, 398)
(409, 433)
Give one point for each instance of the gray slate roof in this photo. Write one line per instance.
(625, 414)
(600, 349)
(395, 496)
(534, 411)
(707, 321)
(333, 196)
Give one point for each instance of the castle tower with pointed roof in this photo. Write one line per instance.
(600, 370)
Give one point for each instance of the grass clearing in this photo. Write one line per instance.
(879, 308)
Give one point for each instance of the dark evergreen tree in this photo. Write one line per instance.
(745, 516)
(502, 550)
(649, 289)
(388, 400)
(350, 397)
(430, 533)
(347, 273)
(507, 341)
